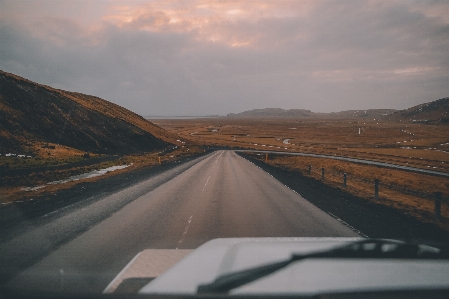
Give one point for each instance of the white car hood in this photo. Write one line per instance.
(310, 276)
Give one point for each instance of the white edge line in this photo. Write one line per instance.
(110, 285)
(348, 225)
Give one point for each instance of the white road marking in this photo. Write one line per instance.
(190, 219)
(347, 225)
(187, 227)
(56, 211)
(205, 184)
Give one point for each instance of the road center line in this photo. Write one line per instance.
(190, 219)
(205, 184)
(185, 231)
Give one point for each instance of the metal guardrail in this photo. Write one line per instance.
(354, 160)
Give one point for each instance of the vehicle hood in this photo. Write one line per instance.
(310, 276)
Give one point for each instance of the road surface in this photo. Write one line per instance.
(217, 196)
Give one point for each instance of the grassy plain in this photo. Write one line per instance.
(424, 146)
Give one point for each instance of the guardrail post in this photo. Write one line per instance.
(376, 189)
(344, 179)
(437, 206)
(310, 169)
(322, 173)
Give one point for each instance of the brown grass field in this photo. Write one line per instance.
(424, 146)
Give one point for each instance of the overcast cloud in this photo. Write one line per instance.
(217, 57)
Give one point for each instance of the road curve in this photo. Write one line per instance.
(222, 195)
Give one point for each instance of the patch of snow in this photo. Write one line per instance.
(32, 188)
(78, 177)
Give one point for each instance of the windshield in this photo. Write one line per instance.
(128, 126)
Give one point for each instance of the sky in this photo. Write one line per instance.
(210, 57)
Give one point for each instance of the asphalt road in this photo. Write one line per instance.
(216, 196)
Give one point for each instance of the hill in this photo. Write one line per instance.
(273, 112)
(32, 113)
(301, 113)
(433, 112)
(368, 113)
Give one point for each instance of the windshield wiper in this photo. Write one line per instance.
(364, 249)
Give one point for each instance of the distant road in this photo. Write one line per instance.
(217, 196)
(360, 161)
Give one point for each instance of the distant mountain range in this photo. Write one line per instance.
(301, 113)
(433, 112)
(31, 112)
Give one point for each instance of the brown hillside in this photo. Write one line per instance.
(433, 112)
(116, 111)
(31, 112)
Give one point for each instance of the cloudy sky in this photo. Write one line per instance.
(217, 57)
